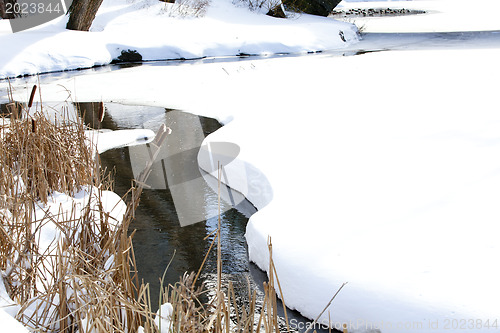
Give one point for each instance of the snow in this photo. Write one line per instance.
(9, 324)
(106, 140)
(393, 188)
(164, 315)
(7, 305)
(148, 27)
(380, 170)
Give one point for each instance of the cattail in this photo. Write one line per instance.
(33, 125)
(32, 96)
(101, 112)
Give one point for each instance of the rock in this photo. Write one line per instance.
(314, 7)
(129, 56)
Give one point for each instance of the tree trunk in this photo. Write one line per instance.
(82, 14)
(11, 14)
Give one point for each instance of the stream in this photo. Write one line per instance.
(159, 240)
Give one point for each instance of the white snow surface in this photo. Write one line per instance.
(380, 170)
(164, 315)
(148, 27)
(9, 324)
(103, 141)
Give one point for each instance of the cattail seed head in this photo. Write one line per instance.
(32, 96)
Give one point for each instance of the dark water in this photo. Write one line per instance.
(158, 237)
(158, 233)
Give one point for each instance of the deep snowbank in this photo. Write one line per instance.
(395, 193)
(148, 27)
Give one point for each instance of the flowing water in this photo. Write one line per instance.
(158, 231)
(159, 239)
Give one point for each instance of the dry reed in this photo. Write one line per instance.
(82, 279)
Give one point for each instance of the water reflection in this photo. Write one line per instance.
(158, 231)
(157, 225)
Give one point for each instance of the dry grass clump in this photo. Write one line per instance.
(44, 156)
(69, 264)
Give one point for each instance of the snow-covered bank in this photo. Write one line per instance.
(147, 27)
(395, 193)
